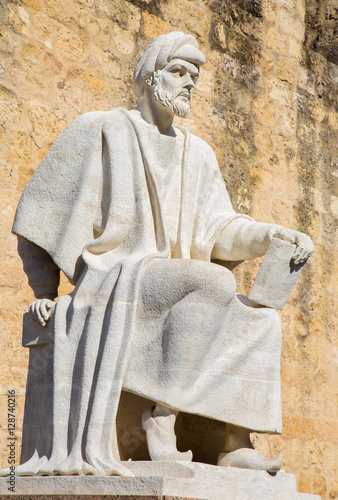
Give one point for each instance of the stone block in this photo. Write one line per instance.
(64, 11)
(69, 44)
(46, 122)
(174, 479)
(19, 20)
(279, 92)
(280, 212)
(134, 18)
(327, 430)
(290, 25)
(277, 41)
(319, 485)
(44, 29)
(154, 26)
(95, 83)
(197, 22)
(75, 96)
(36, 4)
(96, 29)
(298, 427)
(10, 105)
(287, 72)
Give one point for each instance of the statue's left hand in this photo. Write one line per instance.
(41, 310)
(304, 245)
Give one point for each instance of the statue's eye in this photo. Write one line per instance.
(177, 70)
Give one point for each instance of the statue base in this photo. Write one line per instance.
(159, 480)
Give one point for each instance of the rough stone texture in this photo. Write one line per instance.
(268, 105)
(321, 28)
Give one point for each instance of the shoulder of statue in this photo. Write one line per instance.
(101, 117)
(202, 147)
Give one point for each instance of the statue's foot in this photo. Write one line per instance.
(74, 469)
(44, 467)
(29, 468)
(161, 438)
(78, 467)
(247, 458)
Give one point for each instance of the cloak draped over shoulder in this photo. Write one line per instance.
(96, 207)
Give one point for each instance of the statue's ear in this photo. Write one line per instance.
(149, 81)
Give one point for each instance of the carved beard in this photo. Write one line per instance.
(169, 99)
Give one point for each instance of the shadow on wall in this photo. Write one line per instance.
(322, 28)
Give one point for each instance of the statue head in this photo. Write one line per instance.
(169, 68)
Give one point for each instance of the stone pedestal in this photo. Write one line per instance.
(160, 480)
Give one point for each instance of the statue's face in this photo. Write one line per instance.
(173, 85)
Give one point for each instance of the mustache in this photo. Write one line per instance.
(171, 96)
(184, 92)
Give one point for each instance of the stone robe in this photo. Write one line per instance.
(131, 217)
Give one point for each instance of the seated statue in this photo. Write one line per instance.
(133, 210)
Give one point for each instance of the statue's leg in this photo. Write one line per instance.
(239, 452)
(204, 343)
(159, 424)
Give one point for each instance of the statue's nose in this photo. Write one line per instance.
(189, 83)
(189, 86)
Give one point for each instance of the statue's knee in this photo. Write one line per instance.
(220, 285)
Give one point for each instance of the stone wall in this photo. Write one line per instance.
(267, 102)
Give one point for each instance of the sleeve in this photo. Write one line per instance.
(214, 211)
(243, 239)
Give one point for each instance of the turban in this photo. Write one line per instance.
(161, 51)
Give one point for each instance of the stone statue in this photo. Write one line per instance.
(132, 209)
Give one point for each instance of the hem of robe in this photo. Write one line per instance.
(154, 396)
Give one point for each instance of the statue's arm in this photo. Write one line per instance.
(43, 277)
(244, 239)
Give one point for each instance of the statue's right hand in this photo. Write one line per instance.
(41, 310)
